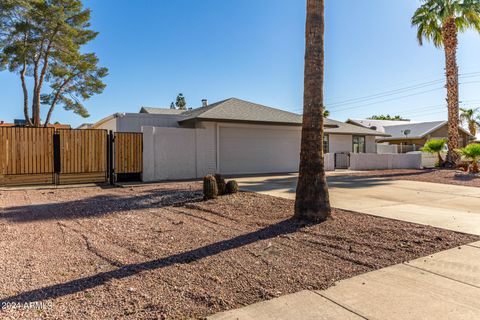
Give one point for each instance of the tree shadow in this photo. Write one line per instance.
(289, 183)
(78, 285)
(100, 205)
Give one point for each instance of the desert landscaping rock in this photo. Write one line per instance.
(159, 252)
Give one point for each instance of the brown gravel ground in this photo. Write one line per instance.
(443, 176)
(158, 251)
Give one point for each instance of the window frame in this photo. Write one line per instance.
(364, 143)
(326, 144)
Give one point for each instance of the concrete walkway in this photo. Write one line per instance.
(445, 285)
(445, 206)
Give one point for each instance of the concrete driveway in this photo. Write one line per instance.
(440, 205)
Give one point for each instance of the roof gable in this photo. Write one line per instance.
(234, 109)
(150, 110)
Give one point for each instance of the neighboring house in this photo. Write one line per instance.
(85, 126)
(378, 125)
(22, 123)
(419, 133)
(232, 136)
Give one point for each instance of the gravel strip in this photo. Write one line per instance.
(160, 252)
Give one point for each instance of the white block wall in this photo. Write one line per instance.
(371, 161)
(176, 153)
(330, 162)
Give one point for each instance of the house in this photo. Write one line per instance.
(411, 136)
(22, 123)
(418, 133)
(378, 125)
(232, 136)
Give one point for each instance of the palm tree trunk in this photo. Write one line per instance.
(451, 44)
(312, 200)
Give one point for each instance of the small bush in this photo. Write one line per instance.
(471, 153)
(210, 188)
(221, 184)
(232, 187)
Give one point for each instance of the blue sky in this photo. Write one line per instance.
(253, 49)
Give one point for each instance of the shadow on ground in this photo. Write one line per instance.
(289, 183)
(78, 285)
(100, 205)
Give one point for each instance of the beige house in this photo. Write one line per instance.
(232, 136)
(410, 136)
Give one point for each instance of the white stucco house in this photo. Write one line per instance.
(231, 137)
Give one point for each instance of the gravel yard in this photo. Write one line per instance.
(454, 177)
(159, 252)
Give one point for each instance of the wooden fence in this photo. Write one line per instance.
(32, 156)
(128, 153)
(26, 156)
(83, 156)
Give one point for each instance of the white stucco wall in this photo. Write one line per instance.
(133, 122)
(178, 153)
(330, 162)
(370, 144)
(372, 161)
(340, 143)
(110, 125)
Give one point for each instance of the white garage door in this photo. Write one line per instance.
(259, 150)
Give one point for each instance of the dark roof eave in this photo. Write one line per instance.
(293, 124)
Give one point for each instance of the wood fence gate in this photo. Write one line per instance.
(128, 150)
(83, 156)
(37, 156)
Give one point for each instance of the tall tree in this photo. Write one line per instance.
(181, 103)
(312, 199)
(440, 21)
(471, 118)
(42, 39)
(387, 117)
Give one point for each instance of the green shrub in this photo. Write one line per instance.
(232, 187)
(435, 146)
(210, 188)
(472, 153)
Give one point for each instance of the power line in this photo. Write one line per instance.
(393, 99)
(399, 90)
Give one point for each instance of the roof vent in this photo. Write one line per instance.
(204, 102)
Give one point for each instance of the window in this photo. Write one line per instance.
(358, 144)
(326, 143)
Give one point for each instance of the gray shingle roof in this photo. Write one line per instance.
(347, 128)
(417, 129)
(234, 109)
(160, 110)
(237, 110)
(378, 125)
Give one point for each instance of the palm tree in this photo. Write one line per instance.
(312, 200)
(435, 146)
(440, 21)
(471, 117)
(471, 152)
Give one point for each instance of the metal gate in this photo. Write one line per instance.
(342, 160)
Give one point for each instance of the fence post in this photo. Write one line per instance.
(111, 169)
(57, 163)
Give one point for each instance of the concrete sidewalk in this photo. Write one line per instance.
(445, 285)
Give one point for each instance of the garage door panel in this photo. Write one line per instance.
(255, 150)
